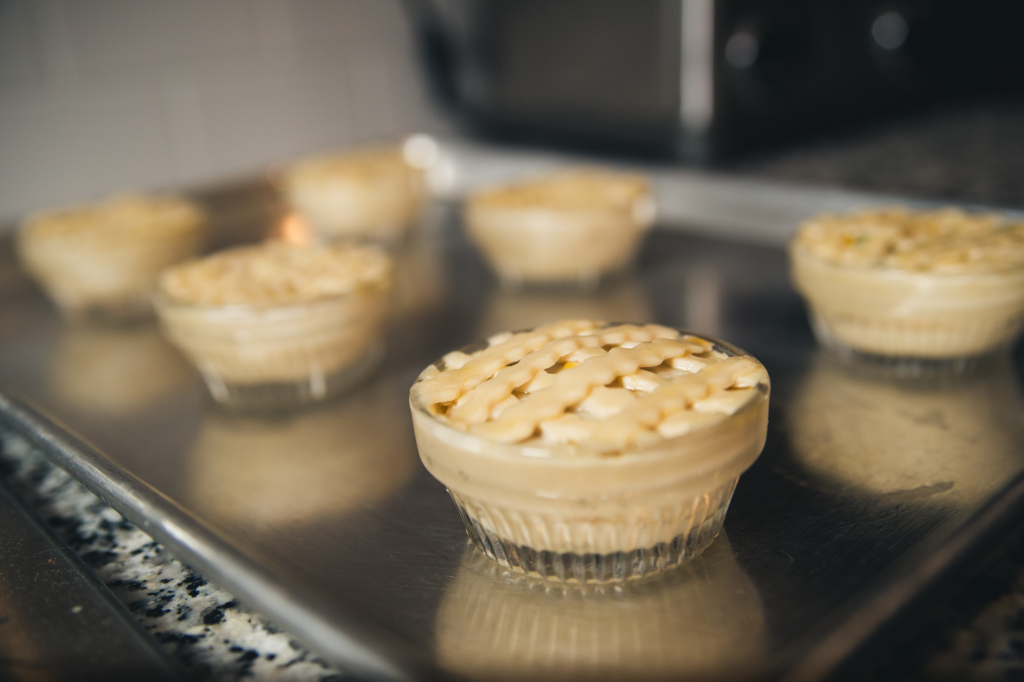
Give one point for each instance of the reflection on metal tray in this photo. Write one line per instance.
(325, 520)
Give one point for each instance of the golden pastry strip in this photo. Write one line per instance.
(573, 385)
(650, 411)
(449, 385)
(468, 372)
(696, 402)
(475, 406)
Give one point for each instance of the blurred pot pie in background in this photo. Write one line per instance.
(704, 621)
(373, 194)
(104, 258)
(927, 284)
(277, 324)
(592, 452)
(572, 226)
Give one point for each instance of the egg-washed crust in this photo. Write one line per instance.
(580, 189)
(276, 273)
(947, 241)
(124, 217)
(585, 383)
(370, 165)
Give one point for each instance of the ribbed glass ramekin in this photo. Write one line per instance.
(564, 514)
(279, 356)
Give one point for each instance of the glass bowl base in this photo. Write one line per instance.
(313, 388)
(590, 567)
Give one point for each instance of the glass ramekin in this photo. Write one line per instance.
(283, 355)
(909, 316)
(563, 514)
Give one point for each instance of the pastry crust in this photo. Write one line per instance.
(946, 241)
(276, 273)
(574, 190)
(583, 383)
(120, 218)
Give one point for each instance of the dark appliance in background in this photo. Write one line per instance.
(702, 78)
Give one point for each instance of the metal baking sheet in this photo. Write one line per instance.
(325, 520)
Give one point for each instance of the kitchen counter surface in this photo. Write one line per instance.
(972, 153)
(201, 626)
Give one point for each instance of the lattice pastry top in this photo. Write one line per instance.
(947, 241)
(119, 218)
(578, 189)
(276, 273)
(586, 383)
(370, 165)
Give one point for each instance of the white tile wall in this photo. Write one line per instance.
(99, 96)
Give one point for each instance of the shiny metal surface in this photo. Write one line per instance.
(57, 620)
(325, 519)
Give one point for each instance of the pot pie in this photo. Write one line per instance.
(371, 194)
(572, 226)
(104, 259)
(591, 452)
(277, 324)
(935, 285)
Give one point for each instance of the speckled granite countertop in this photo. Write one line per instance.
(972, 153)
(200, 625)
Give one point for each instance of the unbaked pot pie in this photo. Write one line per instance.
(568, 227)
(370, 194)
(932, 285)
(592, 452)
(277, 324)
(103, 259)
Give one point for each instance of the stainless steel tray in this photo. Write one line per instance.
(324, 519)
